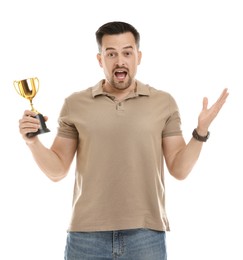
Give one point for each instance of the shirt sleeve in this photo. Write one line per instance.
(173, 122)
(66, 126)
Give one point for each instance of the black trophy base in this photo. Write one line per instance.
(43, 129)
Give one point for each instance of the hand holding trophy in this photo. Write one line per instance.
(28, 88)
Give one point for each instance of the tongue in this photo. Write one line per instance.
(120, 75)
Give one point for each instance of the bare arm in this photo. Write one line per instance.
(181, 157)
(54, 161)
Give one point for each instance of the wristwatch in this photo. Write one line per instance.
(199, 137)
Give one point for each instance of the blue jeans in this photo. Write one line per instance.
(135, 244)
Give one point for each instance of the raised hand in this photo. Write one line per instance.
(207, 115)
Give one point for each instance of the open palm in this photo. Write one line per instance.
(207, 115)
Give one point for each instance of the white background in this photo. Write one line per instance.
(190, 48)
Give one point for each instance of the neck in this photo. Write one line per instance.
(118, 93)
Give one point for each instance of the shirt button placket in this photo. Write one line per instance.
(120, 106)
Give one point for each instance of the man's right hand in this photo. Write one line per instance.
(27, 124)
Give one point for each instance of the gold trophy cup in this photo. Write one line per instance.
(28, 88)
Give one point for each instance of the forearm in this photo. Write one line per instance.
(186, 159)
(47, 160)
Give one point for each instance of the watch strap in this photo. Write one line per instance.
(199, 137)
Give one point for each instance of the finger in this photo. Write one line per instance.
(221, 100)
(223, 96)
(29, 119)
(25, 131)
(29, 113)
(28, 124)
(205, 103)
(31, 122)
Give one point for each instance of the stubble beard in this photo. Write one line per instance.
(122, 85)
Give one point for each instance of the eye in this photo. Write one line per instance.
(127, 53)
(111, 54)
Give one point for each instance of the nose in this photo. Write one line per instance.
(120, 61)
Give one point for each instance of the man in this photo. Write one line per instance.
(121, 131)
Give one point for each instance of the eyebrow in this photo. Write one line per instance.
(124, 48)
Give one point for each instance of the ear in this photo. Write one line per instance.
(139, 57)
(98, 56)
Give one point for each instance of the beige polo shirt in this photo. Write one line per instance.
(119, 178)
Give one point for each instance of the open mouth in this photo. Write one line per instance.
(120, 74)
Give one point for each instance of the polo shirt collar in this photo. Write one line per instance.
(142, 89)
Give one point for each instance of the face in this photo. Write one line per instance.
(119, 58)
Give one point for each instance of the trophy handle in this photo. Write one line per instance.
(37, 85)
(16, 87)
